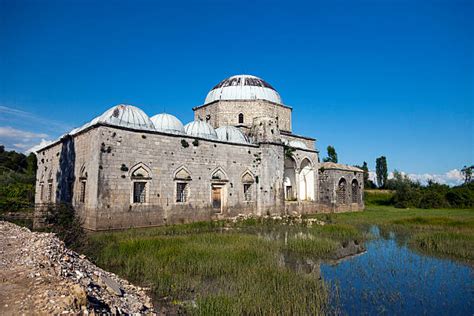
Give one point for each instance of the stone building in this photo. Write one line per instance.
(239, 156)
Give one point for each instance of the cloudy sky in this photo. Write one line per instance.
(371, 78)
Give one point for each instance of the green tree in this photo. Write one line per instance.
(381, 171)
(332, 155)
(31, 164)
(467, 173)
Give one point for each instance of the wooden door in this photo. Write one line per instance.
(217, 197)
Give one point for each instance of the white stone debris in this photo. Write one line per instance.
(40, 275)
(282, 219)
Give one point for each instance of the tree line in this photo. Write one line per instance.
(17, 180)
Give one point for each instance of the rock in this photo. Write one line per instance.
(112, 286)
(80, 296)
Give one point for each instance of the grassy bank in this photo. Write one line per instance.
(439, 232)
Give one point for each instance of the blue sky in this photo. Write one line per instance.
(372, 78)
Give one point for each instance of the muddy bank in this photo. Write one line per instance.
(39, 275)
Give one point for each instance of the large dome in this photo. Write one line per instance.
(231, 134)
(200, 129)
(243, 87)
(126, 116)
(167, 123)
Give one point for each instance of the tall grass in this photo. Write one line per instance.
(451, 244)
(231, 273)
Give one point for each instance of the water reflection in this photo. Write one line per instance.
(391, 279)
(384, 276)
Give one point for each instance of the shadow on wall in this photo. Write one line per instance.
(65, 175)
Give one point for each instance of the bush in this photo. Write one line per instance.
(434, 195)
(63, 221)
(461, 196)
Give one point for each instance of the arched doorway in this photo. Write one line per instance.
(289, 179)
(306, 181)
(355, 191)
(341, 191)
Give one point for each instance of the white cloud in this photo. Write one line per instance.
(20, 140)
(451, 177)
(10, 132)
(22, 118)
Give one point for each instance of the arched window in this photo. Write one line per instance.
(341, 191)
(141, 177)
(355, 191)
(241, 118)
(247, 181)
(182, 178)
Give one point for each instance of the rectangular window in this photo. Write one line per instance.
(247, 191)
(181, 192)
(139, 192)
(50, 192)
(41, 192)
(82, 195)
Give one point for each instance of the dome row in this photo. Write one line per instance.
(133, 117)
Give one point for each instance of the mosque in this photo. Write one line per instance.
(239, 156)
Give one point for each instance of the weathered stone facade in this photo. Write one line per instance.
(226, 112)
(123, 175)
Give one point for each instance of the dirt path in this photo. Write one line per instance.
(40, 276)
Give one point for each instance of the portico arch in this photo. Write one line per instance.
(290, 184)
(306, 180)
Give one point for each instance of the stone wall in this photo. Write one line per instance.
(168, 160)
(310, 143)
(225, 112)
(334, 197)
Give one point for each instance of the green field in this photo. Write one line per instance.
(238, 268)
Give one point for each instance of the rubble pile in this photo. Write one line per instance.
(295, 219)
(40, 275)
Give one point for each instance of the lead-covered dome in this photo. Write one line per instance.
(231, 134)
(167, 123)
(126, 116)
(243, 87)
(200, 129)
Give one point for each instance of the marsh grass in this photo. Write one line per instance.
(439, 232)
(451, 244)
(223, 273)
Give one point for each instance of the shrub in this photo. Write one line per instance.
(62, 220)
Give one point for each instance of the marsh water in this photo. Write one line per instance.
(389, 278)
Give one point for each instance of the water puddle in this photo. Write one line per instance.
(389, 278)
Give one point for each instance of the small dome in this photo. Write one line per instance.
(243, 87)
(167, 123)
(297, 144)
(200, 129)
(231, 134)
(126, 116)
